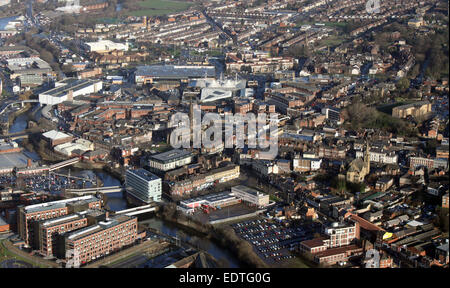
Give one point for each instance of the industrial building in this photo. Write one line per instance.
(70, 149)
(55, 137)
(30, 70)
(154, 73)
(143, 185)
(216, 200)
(103, 46)
(237, 195)
(68, 89)
(12, 157)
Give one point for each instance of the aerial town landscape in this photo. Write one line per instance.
(224, 134)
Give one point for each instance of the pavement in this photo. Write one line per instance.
(5, 235)
(33, 259)
(151, 245)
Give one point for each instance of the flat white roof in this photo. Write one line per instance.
(54, 135)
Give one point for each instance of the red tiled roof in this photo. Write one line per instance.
(336, 251)
(316, 242)
(366, 225)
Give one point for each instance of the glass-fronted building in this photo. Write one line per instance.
(143, 185)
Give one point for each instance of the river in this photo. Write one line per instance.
(116, 201)
(195, 240)
(19, 124)
(5, 21)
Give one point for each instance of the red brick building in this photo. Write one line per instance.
(103, 238)
(339, 254)
(55, 138)
(27, 215)
(49, 229)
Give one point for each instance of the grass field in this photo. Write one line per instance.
(330, 41)
(6, 254)
(160, 7)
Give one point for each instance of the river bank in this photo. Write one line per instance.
(223, 236)
(207, 238)
(13, 116)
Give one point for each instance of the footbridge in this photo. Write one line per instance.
(16, 136)
(63, 164)
(94, 191)
(138, 210)
(45, 169)
(6, 105)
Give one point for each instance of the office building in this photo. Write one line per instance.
(48, 230)
(101, 239)
(333, 114)
(250, 195)
(27, 215)
(170, 160)
(55, 137)
(143, 185)
(341, 234)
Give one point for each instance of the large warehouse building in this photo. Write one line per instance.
(154, 73)
(67, 89)
(103, 46)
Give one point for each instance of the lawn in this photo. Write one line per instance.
(160, 7)
(6, 254)
(330, 41)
